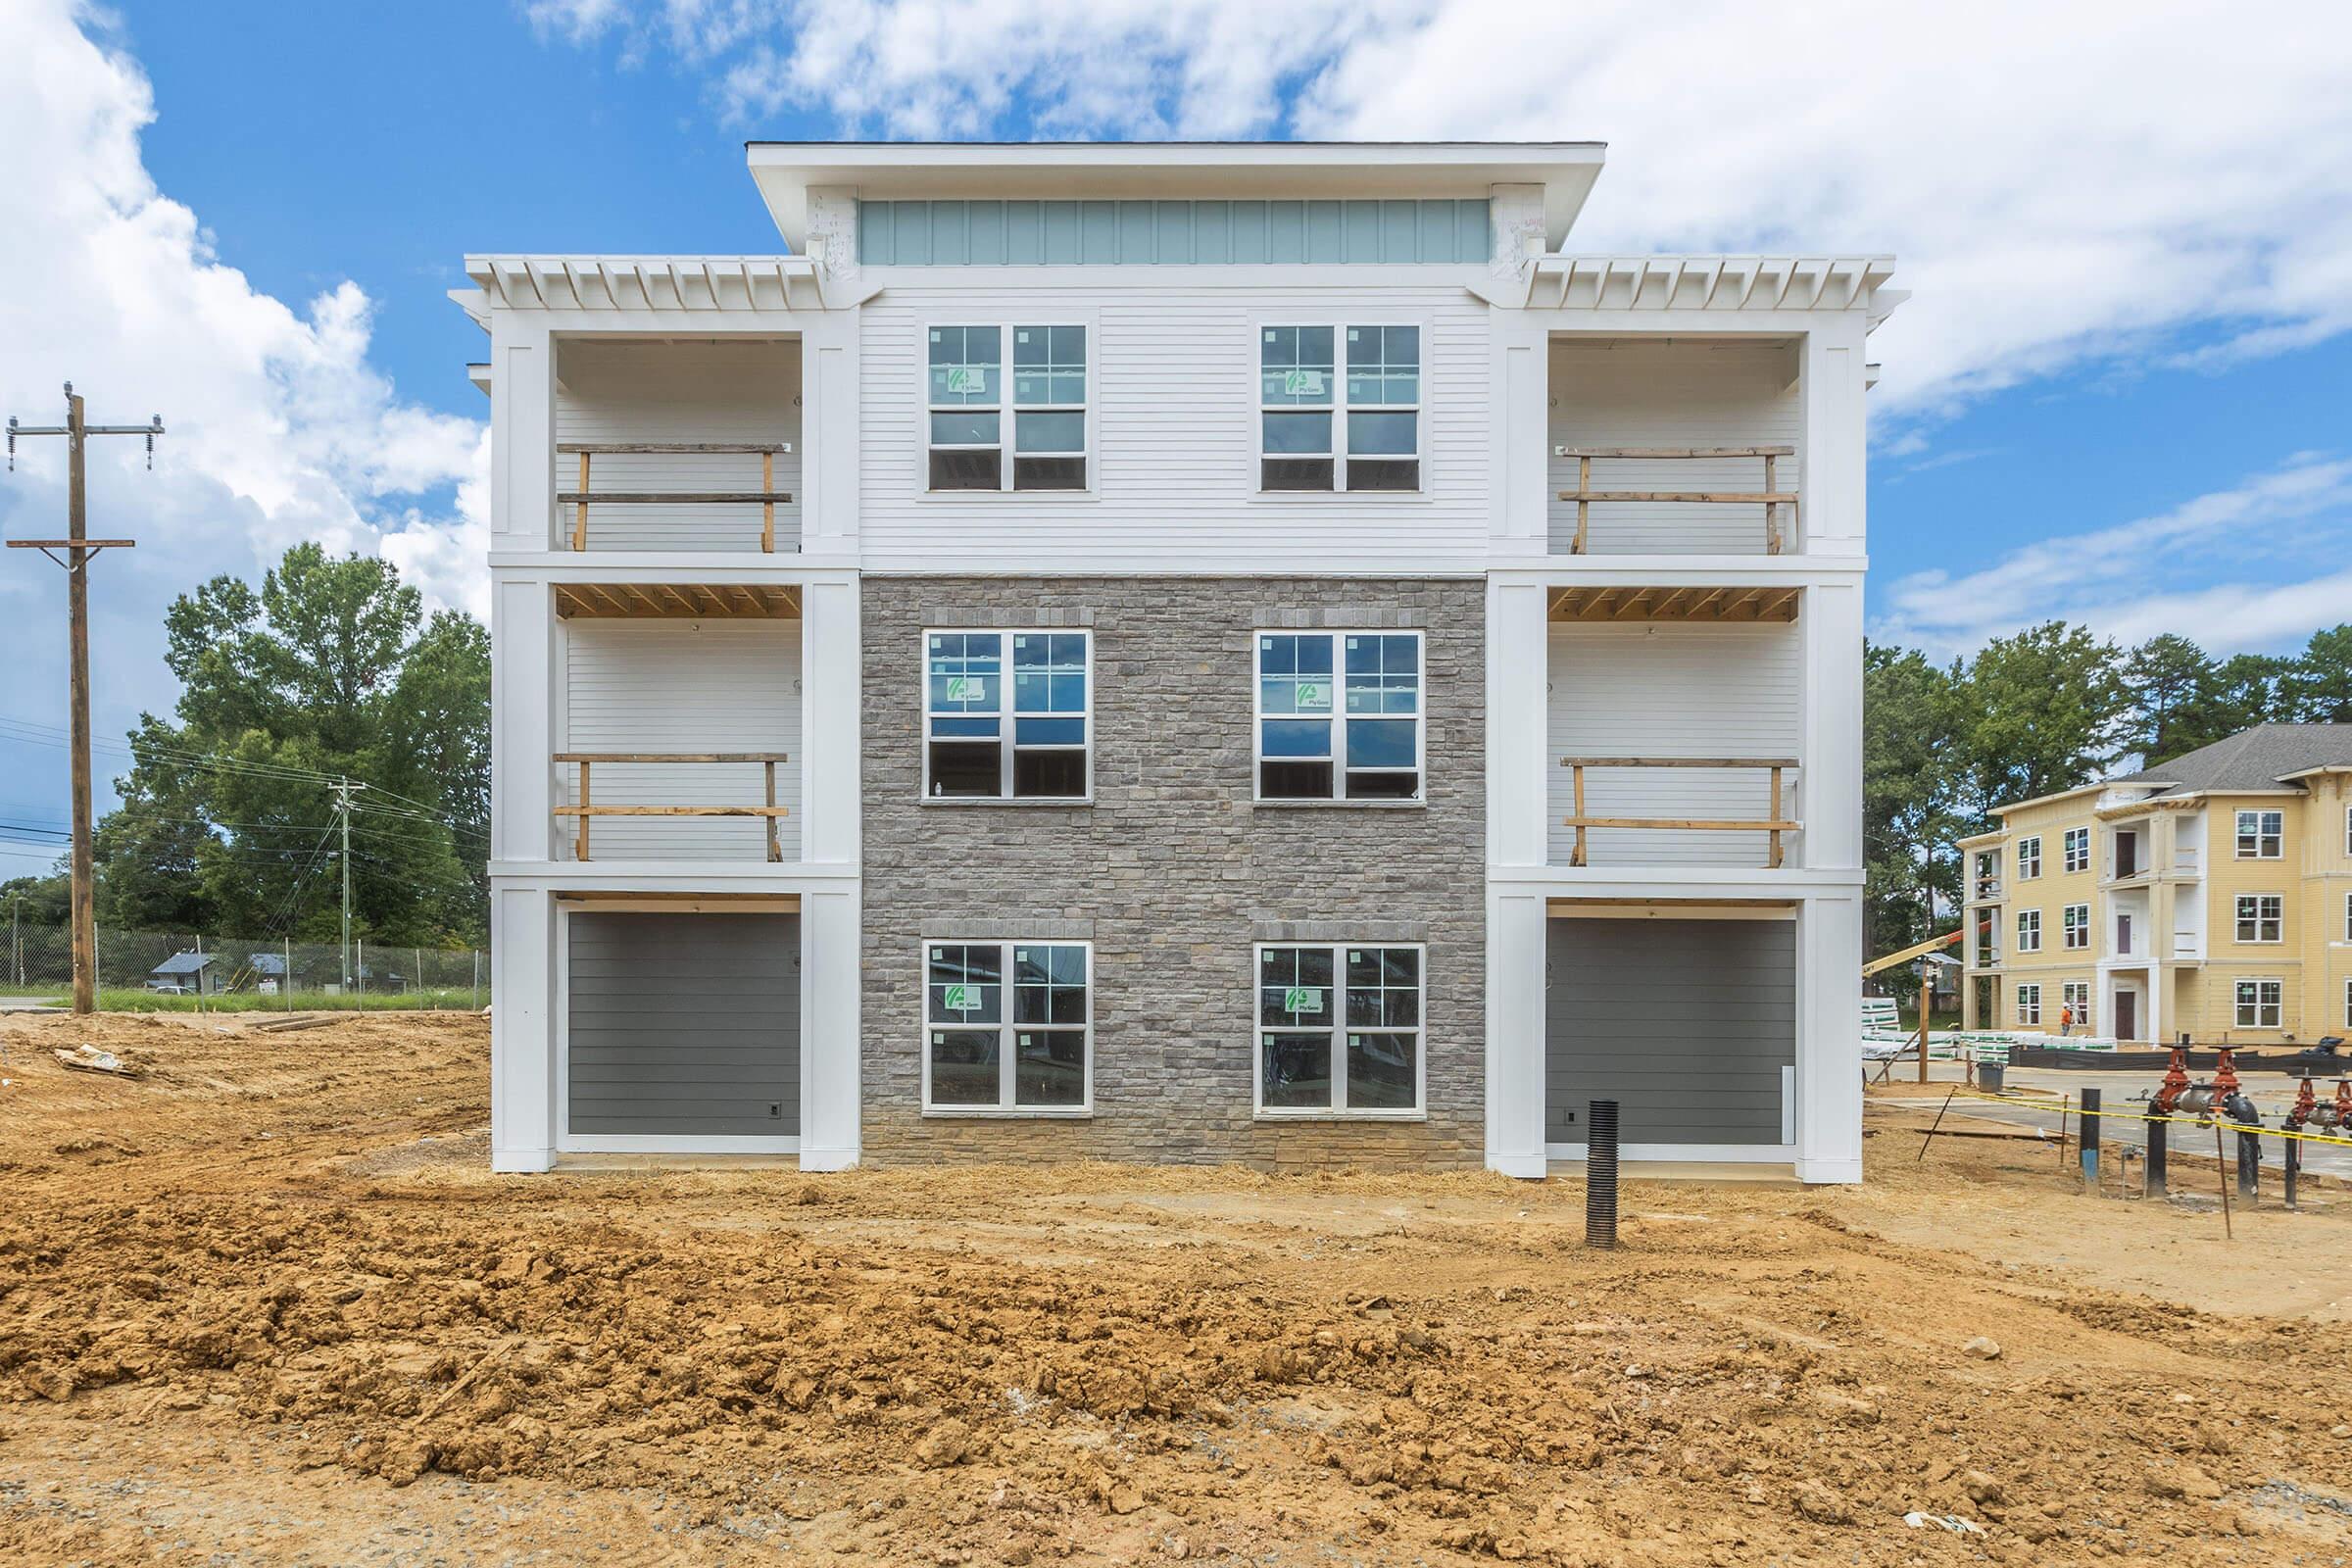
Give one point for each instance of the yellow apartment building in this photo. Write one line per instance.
(2208, 896)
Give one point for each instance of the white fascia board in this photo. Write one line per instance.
(670, 876)
(786, 172)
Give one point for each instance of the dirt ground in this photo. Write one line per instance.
(268, 1305)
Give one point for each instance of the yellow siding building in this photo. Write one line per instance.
(2208, 896)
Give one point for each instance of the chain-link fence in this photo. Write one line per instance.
(204, 969)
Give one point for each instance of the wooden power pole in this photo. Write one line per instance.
(79, 549)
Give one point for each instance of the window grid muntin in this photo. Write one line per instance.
(2076, 847)
(2076, 923)
(1004, 707)
(2260, 835)
(2257, 1000)
(2075, 994)
(2028, 858)
(1002, 398)
(1334, 706)
(2028, 930)
(942, 956)
(1272, 1018)
(1282, 350)
(2261, 917)
(2028, 1004)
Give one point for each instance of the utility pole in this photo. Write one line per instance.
(79, 549)
(344, 789)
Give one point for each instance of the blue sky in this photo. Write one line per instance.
(2124, 364)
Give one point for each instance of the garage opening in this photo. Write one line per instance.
(684, 1030)
(1689, 1023)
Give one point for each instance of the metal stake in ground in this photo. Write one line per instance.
(2220, 1177)
(1600, 1175)
(79, 549)
(2089, 1126)
(2294, 1169)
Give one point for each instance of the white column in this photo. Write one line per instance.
(1830, 776)
(1515, 932)
(1518, 750)
(523, 426)
(830, 687)
(523, 1034)
(1829, 1039)
(829, 1028)
(1520, 463)
(522, 700)
(829, 441)
(1832, 476)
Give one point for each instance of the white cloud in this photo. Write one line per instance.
(2059, 181)
(2130, 580)
(279, 428)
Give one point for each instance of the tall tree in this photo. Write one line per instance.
(2319, 688)
(328, 670)
(2168, 676)
(2040, 711)
(1908, 716)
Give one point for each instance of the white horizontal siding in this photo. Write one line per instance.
(1637, 394)
(729, 392)
(1174, 378)
(1668, 690)
(683, 686)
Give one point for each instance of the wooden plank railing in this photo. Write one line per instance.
(1773, 825)
(1771, 498)
(585, 810)
(767, 496)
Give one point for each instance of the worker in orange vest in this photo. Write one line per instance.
(2066, 1022)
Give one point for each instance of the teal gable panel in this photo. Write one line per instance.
(1169, 233)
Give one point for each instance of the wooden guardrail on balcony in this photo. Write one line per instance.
(767, 495)
(1773, 825)
(1771, 498)
(584, 810)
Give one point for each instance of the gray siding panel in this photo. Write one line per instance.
(1686, 1023)
(685, 1025)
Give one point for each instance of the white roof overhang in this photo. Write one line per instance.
(665, 283)
(1713, 284)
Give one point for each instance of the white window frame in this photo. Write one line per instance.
(2028, 930)
(2269, 835)
(2348, 917)
(2348, 1002)
(2028, 858)
(2075, 922)
(1338, 1031)
(2269, 913)
(1339, 408)
(2075, 995)
(1007, 716)
(1007, 1045)
(1338, 717)
(2348, 830)
(2028, 1004)
(2276, 1006)
(1008, 410)
(2075, 848)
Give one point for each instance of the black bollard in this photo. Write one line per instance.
(2090, 1130)
(2155, 1176)
(2294, 1168)
(1600, 1175)
(2249, 1165)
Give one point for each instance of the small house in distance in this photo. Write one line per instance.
(197, 972)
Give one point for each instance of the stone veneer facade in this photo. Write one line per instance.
(1172, 872)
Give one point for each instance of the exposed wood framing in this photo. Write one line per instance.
(766, 496)
(1772, 825)
(1769, 498)
(585, 809)
(679, 601)
(1675, 604)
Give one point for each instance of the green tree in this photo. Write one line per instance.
(2040, 711)
(1908, 718)
(327, 669)
(2319, 688)
(2167, 677)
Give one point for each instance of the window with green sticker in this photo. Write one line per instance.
(1338, 1029)
(982, 1051)
(1006, 714)
(983, 439)
(1339, 715)
(1338, 408)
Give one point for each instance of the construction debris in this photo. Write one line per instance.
(301, 1020)
(86, 1057)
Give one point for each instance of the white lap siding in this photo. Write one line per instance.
(735, 393)
(1671, 690)
(683, 686)
(1625, 394)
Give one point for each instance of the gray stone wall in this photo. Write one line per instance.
(1172, 872)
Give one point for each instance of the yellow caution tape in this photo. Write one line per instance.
(2066, 1103)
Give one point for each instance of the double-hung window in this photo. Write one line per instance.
(989, 738)
(1332, 423)
(1339, 715)
(1008, 1026)
(2028, 930)
(2028, 1004)
(2028, 858)
(2077, 920)
(2260, 1002)
(2260, 835)
(2074, 997)
(2261, 917)
(1339, 1029)
(2077, 848)
(967, 408)
(2348, 1004)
